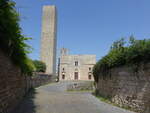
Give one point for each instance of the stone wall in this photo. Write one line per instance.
(41, 79)
(14, 85)
(127, 88)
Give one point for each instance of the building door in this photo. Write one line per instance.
(76, 75)
(90, 77)
(63, 76)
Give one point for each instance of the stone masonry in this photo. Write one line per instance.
(48, 40)
(76, 67)
(127, 88)
(14, 85)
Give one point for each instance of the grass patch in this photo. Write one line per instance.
(103, 99)
(82, 90)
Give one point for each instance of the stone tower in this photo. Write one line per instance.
(48, 39)
(64, 51)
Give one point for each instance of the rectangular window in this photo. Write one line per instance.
(76, 63)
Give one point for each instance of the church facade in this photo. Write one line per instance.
(75, 67)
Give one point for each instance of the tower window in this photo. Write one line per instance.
(76, 63)
(63, 69)
(89, 68)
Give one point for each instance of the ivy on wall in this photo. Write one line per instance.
(12, 42)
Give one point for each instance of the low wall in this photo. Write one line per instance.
(14, 85)
(127, 88)
(81, 86)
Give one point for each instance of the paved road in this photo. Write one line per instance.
(53, 98)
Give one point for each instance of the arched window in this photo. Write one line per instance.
(76, 70)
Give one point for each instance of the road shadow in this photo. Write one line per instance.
(27, 105)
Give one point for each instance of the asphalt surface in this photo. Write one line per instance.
(54, 98)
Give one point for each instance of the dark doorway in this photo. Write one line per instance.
(63, 76)
(76, 75)
(90, 77)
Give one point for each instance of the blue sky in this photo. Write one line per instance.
(86, 26)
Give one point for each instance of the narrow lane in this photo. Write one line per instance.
(54, 98)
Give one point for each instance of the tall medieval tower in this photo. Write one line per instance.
(48, 39)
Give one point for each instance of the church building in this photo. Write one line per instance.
(75, 67)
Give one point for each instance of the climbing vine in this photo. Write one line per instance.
(12, 42)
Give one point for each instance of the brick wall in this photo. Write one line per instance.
(127, 88)
(14, 85)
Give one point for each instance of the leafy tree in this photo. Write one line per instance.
(132, 40)
(39, 65)
(118, 44)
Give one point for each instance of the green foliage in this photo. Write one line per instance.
(12, 42)
(39, 65)
(118, 44)
(136, 52)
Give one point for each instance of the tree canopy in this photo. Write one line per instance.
(39, 65)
